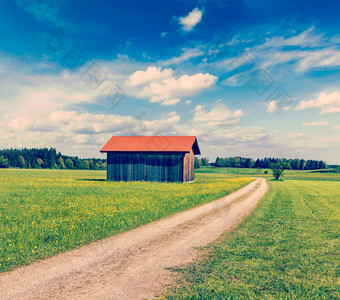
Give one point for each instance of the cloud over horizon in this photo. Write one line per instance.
(327, 102)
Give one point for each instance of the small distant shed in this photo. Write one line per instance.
(151, 158)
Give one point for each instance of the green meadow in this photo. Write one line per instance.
(287, 249)
(288, 174)
(45, 212)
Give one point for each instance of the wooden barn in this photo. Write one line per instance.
(151, 158)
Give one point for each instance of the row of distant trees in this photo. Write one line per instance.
(265, 163)
(201, 162)
(294, 164)
(47, 159)
(50, 159)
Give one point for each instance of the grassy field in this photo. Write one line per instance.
(44, 212)
(287, 249)
(288, 174)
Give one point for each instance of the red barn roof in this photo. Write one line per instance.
(151, 144)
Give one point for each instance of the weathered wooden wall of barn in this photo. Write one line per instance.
(189, 166)
(144, 166)
(192, 166)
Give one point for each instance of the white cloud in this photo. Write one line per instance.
(303, 60)
(72, 122)
(274, 106)
(328, 103)
(307, 51)
(231, 136)
(299, 136)
(27, 91)
(67, 130)
(188, 102)
(171, 101)
(219, 115)
(232, 81)
(307, 38)
(217, 125)
(161, 86)
(271, 58)
(166, 120)
(271, 106)
(185, 85)
(151, 74)
(319, 123)
(335, 39)
(186, 54)
(191, 20)
(29, 94)
(248, 134)
(329, 57)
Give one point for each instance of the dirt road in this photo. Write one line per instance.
(132, 265)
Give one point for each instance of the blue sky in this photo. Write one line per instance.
(252, 78)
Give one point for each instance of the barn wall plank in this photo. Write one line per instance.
(192, 166)
(145, 166)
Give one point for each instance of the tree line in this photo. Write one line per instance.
(294, 164)
(47, 159)
(265, 163)
(50, 159)
(201, 162)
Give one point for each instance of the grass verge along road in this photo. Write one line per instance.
(287, 249)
